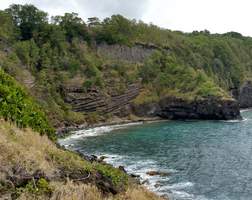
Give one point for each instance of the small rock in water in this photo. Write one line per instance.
(102, 158)
(135, 176)
(157, 185)
(157, 173)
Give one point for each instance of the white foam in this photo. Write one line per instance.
(235, 120)
(92, 132)
(245, 110)
(179, 186)
(183, 195)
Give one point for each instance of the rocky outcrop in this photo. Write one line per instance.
(97, 101)
(168, 108)
(208, 109)
(245, 95)
(135, 54)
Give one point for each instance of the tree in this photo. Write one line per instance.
(116, 29)
(73, 26)
(7, 28)
(93, 22)
(28, 19)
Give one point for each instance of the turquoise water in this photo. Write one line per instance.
(207, 160)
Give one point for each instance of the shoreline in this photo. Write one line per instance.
(114, 125)
(141, 180)
(64, 132)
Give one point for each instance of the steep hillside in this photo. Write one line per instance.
(89, 72)
(35, 168)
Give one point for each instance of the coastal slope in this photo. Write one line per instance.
(85, 72)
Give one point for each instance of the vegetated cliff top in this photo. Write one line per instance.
(48, 56)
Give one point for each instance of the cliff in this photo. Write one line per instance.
(98, 101)
(122, 105)
(179, 109)
(137, 53)
(121, 67)
(243, 94)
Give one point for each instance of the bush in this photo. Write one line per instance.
(17, 106)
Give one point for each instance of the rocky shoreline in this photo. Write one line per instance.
(136, 179)
(170, 108)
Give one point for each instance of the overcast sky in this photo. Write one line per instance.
(217, 16)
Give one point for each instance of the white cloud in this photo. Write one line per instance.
(186, 15)
(215, 15)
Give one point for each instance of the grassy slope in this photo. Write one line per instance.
(39, 153)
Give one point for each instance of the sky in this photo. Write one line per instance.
(217, 16)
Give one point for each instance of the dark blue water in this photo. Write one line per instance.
(206, 159)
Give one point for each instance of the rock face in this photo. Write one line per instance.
(135, 54)
(95, 100)
(168, 108)
(210, 109)
(245, 95)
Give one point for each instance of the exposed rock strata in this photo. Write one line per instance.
(135, 54)
(168, 108)
(96, 101)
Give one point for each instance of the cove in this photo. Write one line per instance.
(206, 160)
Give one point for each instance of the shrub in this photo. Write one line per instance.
(17, 106)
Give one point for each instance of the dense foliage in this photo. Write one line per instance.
(163, 73)
(17, 106)
(62, 52)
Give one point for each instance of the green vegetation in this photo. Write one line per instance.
(164, 73)
(48, 56)
(17, 106)
(118, 177)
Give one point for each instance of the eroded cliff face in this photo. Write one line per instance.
(98, 101)
(137, 53)
(169, 108)
(174, 108)
(243, 94)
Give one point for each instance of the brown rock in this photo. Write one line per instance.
(157, 173)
